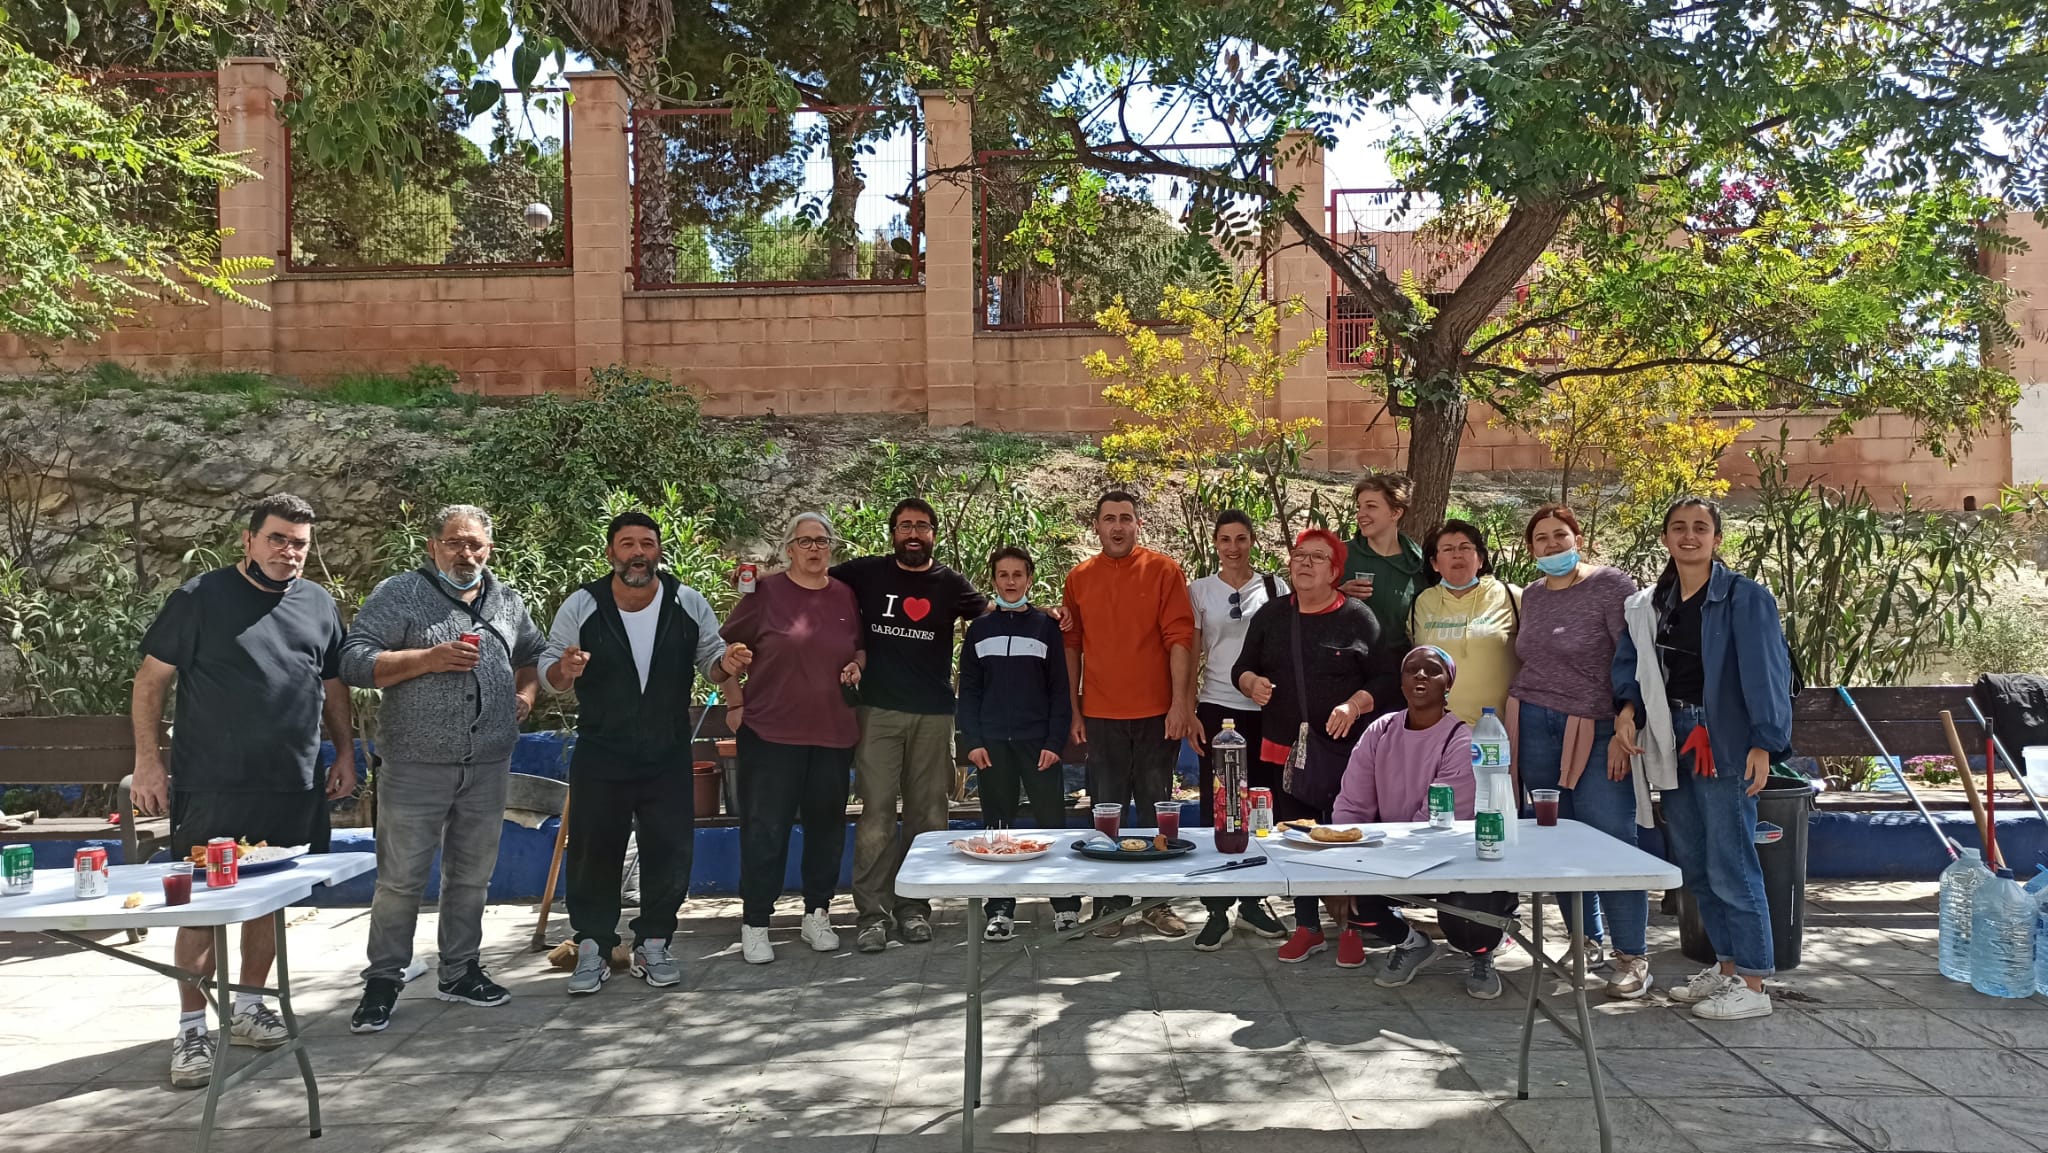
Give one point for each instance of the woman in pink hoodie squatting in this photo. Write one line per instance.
(1387, 780)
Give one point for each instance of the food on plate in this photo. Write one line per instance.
(134, 901)
(1335, 835)
(1134, 844)
(1304, 824)
(1001, 844)
(1162, 842)
(242, 849)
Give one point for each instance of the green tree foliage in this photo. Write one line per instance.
(75, 257)
(1606, 132)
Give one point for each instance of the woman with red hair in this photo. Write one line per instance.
(1312, 662)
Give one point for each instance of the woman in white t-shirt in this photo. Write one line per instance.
(1224, 602)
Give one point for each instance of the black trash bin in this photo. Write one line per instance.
(1786, 804)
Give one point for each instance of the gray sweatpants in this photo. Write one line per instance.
(457, 810)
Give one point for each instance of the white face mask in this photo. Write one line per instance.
(1019, 603)
(1462, 587)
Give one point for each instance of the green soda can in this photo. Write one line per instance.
(1442, 806)
(18, 863)
(1490, 830)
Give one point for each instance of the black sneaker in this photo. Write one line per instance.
(1254, 916)
(472, 987)
(373, 1012)
(1214, 932)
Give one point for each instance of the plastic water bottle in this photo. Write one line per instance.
(1490, 743)
(2038, 890)
(1959, 884)
(1495, 784)
(2002, 939)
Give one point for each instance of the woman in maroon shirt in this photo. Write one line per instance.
(797, 732)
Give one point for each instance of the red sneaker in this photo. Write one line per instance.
(1302, 945)
(1350, 949)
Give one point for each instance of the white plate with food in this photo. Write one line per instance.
(1003, 847)
(264, 858)
(1332, 836)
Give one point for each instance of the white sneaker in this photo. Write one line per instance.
(754, 946)
(816, 932)
(257, 1027)
(1596, 955)
(1702, 985)
(1631, 977)
(1735, 1002)
(191, 1060)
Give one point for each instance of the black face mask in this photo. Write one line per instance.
(263, 580)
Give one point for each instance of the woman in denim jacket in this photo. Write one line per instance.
(1706, 685)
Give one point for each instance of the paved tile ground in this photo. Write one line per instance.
(1136, 1044)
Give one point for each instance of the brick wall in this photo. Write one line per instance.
(865, 348)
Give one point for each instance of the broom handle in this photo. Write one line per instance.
(547, 897)
(1955, 748)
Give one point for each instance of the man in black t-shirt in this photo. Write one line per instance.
(908, 605)
(256, 653)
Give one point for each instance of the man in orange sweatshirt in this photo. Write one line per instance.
(1131, 670)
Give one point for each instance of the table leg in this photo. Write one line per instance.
(971, 1089)
(224, 1005)
(1578, 939)
(1535, 987)
(291, 1028)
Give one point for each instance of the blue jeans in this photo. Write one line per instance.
(1609, 806)
(1710, 823)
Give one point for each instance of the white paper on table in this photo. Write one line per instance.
(1399, 857)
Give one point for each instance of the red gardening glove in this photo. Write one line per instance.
(1702, 751)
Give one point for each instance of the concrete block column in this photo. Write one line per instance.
(601, 192)
(949, 289)
(2026, 273)
(1305, 390)
(252, 212)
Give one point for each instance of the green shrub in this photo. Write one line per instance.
(423, 386)
(2006, 639)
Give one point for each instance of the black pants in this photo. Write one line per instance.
(1130, 762)
(1259, 774)
(779, 783)
(1380, 917)
(1013, 767)
(602, 813)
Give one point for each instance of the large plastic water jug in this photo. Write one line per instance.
(2036, 758)
(2038, 889)
(1959, 884)
(1493, 779)
(2002, 939)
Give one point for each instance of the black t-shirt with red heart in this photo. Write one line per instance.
(907, 619)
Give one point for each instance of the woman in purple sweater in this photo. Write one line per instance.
(1400, 756)
(1561, 721)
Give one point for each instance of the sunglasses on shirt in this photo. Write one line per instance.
(1236, 609)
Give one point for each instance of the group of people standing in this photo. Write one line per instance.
(1353, 677)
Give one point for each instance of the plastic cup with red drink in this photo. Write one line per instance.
(1167, 816)
(178, 884)
(1545, 801)
(1109, 820)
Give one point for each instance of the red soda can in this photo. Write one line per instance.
(473, 640)
(746, 574)
(89, 878)
(221, 871)
(1262, 811)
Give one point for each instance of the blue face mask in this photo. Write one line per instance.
(458, 587)
(1019, 603)
(1560, 563)
(1462, 587)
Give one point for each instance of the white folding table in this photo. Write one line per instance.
(1568, 861)
(51, 909)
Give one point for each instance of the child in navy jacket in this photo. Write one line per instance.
(1013, 719)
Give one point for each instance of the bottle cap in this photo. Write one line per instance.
(2005, 874)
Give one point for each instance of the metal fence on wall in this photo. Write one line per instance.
(489, 191)
(1047, 271)
(823, 196)
(176, 105)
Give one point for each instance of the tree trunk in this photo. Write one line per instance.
(1434, 433)
(654, 233)
(842, 229)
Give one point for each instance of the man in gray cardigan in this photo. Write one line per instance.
(455, 652)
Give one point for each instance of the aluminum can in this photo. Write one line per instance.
(19, 863)
(89, 873)
(1490, 831)
(1442, 806)
(1262, 812)
(747, 576)
(221, 867)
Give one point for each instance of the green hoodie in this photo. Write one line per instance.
(1395, 581)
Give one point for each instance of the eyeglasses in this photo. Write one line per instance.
(915, 527)
(283, 543)
(812, 543)
(1458, 548)
(1312, 557)
(1236, 609)
(465, 544)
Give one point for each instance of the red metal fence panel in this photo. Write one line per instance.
(825, 196)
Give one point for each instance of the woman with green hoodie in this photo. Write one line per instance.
(1383, 566)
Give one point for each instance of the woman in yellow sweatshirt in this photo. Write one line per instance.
(1470, 614)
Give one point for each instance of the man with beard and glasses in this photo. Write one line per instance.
(255, 650)
(908, 605)
(455, 652)
(631, 645)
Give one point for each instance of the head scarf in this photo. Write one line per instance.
(1450, 666)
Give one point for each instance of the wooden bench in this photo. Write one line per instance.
(1907, 719)
(81, 751)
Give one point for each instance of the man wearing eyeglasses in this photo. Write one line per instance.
(454, 650)
(255, 651)
(908, 605)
